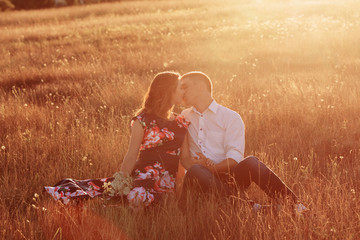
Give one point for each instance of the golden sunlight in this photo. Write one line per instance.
(73, 74)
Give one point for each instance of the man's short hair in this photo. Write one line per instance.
(199, 76)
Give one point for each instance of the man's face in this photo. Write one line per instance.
(190, 91)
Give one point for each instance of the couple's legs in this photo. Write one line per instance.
(247, 171)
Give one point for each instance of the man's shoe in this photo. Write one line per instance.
(256, 207)
(300, 209)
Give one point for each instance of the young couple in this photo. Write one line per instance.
(207, 138)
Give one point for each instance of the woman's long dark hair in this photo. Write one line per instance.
(158, 98)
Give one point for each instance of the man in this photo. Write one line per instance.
(216, 138)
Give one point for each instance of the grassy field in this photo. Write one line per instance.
(71, 78)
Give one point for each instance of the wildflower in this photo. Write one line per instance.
(3, 148)
(121, 185)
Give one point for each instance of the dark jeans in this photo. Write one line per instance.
(241, 175)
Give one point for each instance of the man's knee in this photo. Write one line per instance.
(196, 170)
(200, 176)
(251, 160)
(251, 163)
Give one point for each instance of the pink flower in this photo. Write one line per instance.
(162, 135)
(147, 168)
(139, 196)
(165, 183)
(53, 192)
(182, 122)
(169, 135)
(66, 200)
(153, 172)
(142, 176)
(149, 199)
(157, 165)
(94, 186)
(152, 137)
(155, 129)
(175, 152)
(171, 152)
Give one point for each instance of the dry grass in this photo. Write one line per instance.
(71, 78)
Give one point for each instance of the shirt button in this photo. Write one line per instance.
(200, 129)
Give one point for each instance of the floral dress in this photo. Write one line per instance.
(154, 172)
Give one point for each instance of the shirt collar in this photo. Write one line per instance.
(212, 107)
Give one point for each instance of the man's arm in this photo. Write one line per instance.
(185, 157)
(234, 146)
(234, 141)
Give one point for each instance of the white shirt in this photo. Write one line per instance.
(218, 132)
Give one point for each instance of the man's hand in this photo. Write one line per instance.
(203, 160)
(223, 166)
(199, 160)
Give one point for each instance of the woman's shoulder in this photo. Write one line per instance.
(141, 117)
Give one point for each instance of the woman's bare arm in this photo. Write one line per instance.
(137, 134)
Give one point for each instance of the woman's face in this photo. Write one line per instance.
(191, 90)
(177, 97)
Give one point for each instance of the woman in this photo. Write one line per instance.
(158, 134)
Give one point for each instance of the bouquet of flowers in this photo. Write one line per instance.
(120, 186)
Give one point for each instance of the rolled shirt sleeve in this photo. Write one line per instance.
(234, 142)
